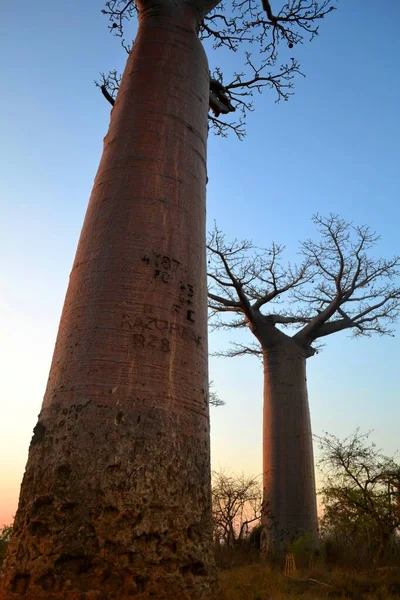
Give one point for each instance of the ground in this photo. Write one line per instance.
(257, 582)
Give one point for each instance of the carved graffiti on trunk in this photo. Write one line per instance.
(165, 268)
(187, 293)
(146, 324)
(152, 341)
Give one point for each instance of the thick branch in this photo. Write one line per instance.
(107, 95)
(282, 320)
(312, 330)
(225, 303)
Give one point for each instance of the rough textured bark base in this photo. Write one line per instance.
(115, 501)
(289, 506)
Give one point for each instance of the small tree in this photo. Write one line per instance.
(360, 493)
(236, 507)
(338, 286)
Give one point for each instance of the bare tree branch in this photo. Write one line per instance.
(214, 399)
(240, 350)
(247, 24)
(243, 279)
(227, 303)
(217, 248)
(109, 85)
(338, 286)
(342, 268)
(106, 95)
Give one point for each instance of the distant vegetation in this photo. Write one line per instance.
(360, 496)
(359, 554)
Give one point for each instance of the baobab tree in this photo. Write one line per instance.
(338, 286)
(116, 497)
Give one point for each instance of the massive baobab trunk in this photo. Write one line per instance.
(289, 503)
(115, 499)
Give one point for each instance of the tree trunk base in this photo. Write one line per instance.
(118, 587)
(191, 582)
(110, 529)
(274, 547)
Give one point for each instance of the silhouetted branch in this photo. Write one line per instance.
(226, 304)
(222, 128)
(243, 278)
(245, 23)
(228, 259)
(338, 286)
(119, 12)
(343, 268)
(214, 399)
(106, 95)
(240, 350)
(109, 85)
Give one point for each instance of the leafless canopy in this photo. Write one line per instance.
(247, 25)
(338, 285)
(236, 506)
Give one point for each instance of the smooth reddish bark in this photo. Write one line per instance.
(115, 500)
(289, 503)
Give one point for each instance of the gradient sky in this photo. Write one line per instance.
(332, 147)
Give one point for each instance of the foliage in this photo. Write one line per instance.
(266, 38)
(360, 494)
(339, 285)
(5, 536)
(5, 533)
(303, 549)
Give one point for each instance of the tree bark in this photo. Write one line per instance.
(115, 501)
(289, 502)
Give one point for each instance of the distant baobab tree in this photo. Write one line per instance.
(338, 286)
(116, 497)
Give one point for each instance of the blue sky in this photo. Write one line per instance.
(332, 147)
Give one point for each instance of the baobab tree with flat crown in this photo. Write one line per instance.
(337, 287)
(116, 500)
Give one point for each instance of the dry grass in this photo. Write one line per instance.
(258, 582)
